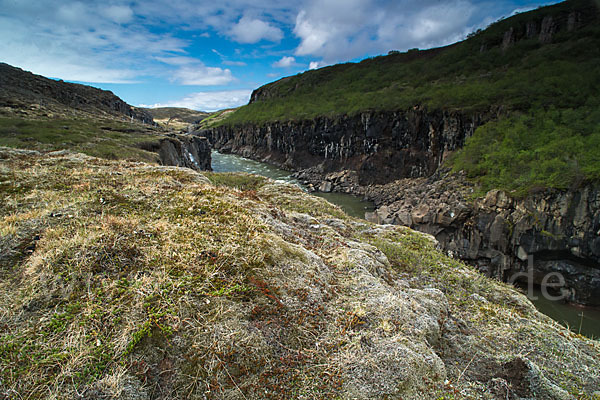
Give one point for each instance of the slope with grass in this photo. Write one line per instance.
(118, 280)
(45, 115)
(176, 118)
(23, 92)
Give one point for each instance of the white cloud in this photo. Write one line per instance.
(315, 64)
(177, 60)
(339, 30)
(209, 101)
(118, 14)
(226, 61)
(202, 75)
(80, 41)
(285, 62)
(252, 30)
(234, 63)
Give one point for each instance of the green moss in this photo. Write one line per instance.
(237, 180)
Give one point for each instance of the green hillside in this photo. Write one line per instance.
(176, 117)
(471, 75)
(545, 88)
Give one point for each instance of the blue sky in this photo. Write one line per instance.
(209, 55)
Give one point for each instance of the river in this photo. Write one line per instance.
(580, 320)
(583, 320)
(352, 205)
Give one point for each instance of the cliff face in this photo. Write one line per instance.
(185, 151)
(379, 146)
(553, 232)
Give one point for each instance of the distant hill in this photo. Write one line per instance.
(176, 117)
(22, 91)
(549, 56)
(43, 114)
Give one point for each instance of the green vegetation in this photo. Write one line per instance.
(104, 138)
(216, 118)
(176, 117)
(554, 148)
(241, 181)
(472, 75)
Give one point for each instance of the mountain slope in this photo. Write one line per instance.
(23, 90)
(544, 57)
(46, 115)
(176, 117)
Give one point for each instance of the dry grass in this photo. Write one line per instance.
(126, 280)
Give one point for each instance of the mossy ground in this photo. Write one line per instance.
(94, 136)
(127, 280)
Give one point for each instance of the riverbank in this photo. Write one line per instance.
(353, 205)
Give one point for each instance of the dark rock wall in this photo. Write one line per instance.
(380, 146)
(552, 232)
(185, 151)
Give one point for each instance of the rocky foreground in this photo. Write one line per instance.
(133, 281)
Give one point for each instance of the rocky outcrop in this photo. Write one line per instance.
(544, 27)
(380, 146)
(552, 232)
(20, 88)
(185, 151)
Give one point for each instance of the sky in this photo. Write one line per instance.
(210, 55)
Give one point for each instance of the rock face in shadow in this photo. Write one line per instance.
(185, 151)
(555, 233)
(379, 146)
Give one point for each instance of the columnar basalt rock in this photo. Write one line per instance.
(551, 232)
(185, 151)
(379, 146)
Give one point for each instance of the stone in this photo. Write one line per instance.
(325, 187)
(421, 214)
(522, 254)
(183, 150)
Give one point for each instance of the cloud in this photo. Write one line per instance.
(209, 101)
(285, 62)
(202, 75)
(80, 41)
(226, 61)
(338, 30)
(234, 63)
(251, 30)
(177, 60)
(316, 64)
(118, 14)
